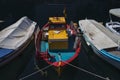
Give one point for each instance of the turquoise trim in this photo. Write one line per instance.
(103, 52)
(64, 55)
(44, 46)
(110, 55)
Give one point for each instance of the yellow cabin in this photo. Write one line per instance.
(57, 34)
(58, 20)
(58, 39)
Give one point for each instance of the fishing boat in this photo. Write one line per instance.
(114, 26)
(57, 42)
(103, 42)
(16, 38)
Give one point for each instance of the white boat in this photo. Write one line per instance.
(103, 42)
(114, 26)
(15, 38)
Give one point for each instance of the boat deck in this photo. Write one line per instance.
(95, 36)
(110, 34)
(106, 31)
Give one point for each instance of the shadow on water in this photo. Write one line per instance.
(15, 67)
(86, 60)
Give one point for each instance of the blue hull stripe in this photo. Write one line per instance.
(103, 52)
(110, 55)
(4, 52)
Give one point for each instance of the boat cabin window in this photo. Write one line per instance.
(58, 26)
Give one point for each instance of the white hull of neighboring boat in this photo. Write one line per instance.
(100, 42)
(104, 57)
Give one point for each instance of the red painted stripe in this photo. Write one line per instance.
(39, 56)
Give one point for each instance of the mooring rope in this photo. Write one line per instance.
(87, 71)
(37, 67)
(35, 72)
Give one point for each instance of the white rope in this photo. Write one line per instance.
(35, 72)
(37, 67)
(87, 71)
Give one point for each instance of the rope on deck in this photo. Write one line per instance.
(93, 74)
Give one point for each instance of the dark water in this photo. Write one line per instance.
(86, 60)
(15, 67)
(39, 12)
(24, 65)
